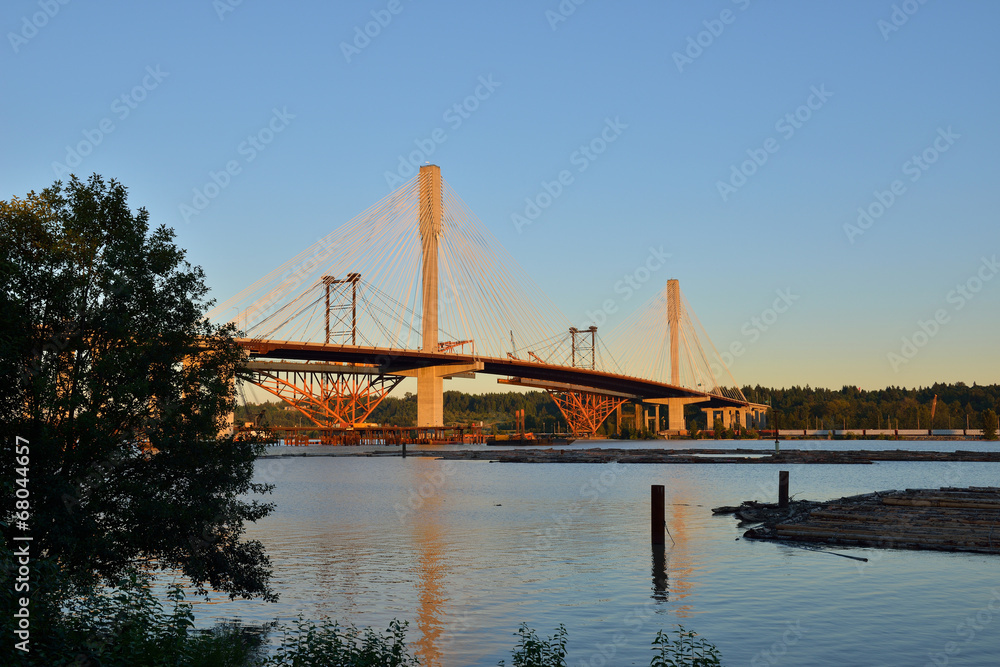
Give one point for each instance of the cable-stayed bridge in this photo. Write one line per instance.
(416, 286)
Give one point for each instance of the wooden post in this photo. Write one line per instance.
(404, 449)
(660, 582)
(657, 521)
(782, 488)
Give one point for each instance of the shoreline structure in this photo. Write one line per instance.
(693, 456)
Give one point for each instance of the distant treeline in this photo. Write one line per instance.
(495, 409)
(795, 407)
(805, 407)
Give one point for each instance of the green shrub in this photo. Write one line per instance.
(688, 650)
(534, 652)
(328, 644)
(125, 626)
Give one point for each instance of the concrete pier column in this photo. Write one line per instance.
(430, 398)
(430, 384)
(675, 414)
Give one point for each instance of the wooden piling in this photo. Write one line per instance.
(657, 520)
(782, 488)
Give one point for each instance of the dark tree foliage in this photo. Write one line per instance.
(806, 407)
(796, 407)
(121, 388)
(989, 425)
(493, 409)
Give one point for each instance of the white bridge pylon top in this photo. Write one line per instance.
(484, 295)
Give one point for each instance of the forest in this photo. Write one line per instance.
(957, 406)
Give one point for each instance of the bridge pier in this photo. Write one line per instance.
(430, 382)
(638, 418)
(654, 418)
(749, 417)
(430, 398)
(676, 425)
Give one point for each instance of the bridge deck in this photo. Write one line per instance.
(393, 361)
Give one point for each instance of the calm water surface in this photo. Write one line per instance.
(468, 550)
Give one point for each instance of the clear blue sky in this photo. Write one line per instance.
(198, 80)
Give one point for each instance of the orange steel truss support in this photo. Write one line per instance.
(584, 412)
(327, 399)
(452, 345)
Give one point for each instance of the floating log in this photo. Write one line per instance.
(947, 519)
(920, 502)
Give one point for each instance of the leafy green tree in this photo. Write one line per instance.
(688, 650)
(121, 389)
(989, 425)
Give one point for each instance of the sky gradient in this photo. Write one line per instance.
(836, 159)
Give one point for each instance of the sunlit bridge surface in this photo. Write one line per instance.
(416, 286)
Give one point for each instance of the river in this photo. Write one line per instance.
(468, 550)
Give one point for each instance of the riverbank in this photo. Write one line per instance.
(686, 456)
